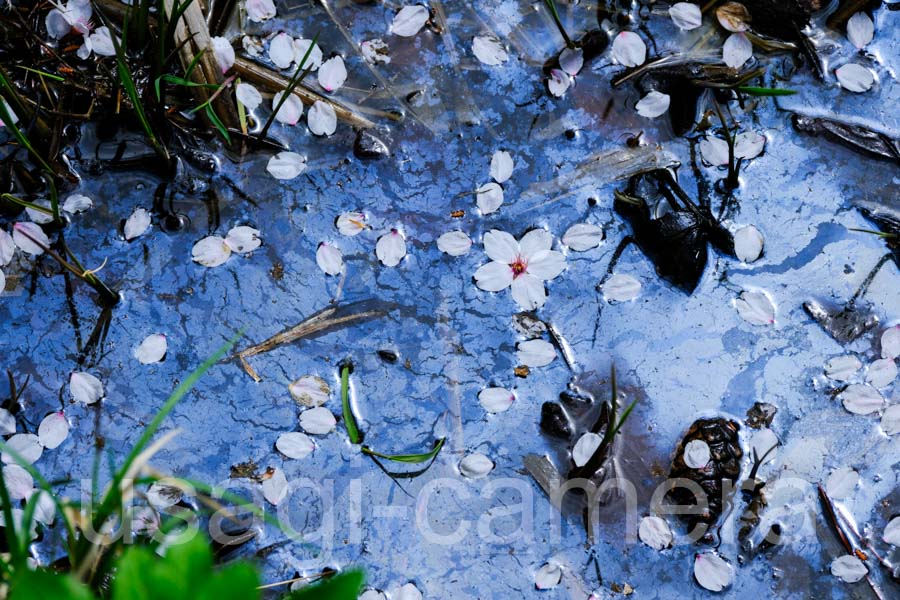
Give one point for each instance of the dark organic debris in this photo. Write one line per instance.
(843, 323)
(856, 137)
(887, 216)
(761, 415)
(555, 422)
(369, 146)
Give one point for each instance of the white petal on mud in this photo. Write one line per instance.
(295, 444)
(685, 15)
(861, 399)
(211, 251)
(621, 288)
(291, 110)
(275, 488)
(842, 368)
(891, 533)
(496, 399)
(332, 74)
(19, 482)
(7, 248)
(248, 95)
(848, 568)
(890, 342)
(860, 30)
(310, 390)
(629, 50)
(330, 259)
(454, 243)
(548, 576)
(85, 388)
(881, 373)
(582, 237)
(501, 166)
(855, 78)
(841, 483)
(748, 243)
(696, 454)
(351, 223)
(286, 165)
(243, 239)
(152, 349)
(160, 495)
(53, 430)
(756, 308)
(655, 532)
(77, 203)
(7, 422)
(890, 420)
(137, 223)
(39, 216)
(409, 20)
(26, 445)
(749, 144)
(317, 421)
(281, 50)
(712, 571)
(571, 60)
(737, 50)
(321, 118)
(585, 447)
(535, 353)
(259, 10)
(763, 441)
(223, 52)
(488, 50)
(653, 104)
(559, 82)
(714, 150)
(489, 198)
(301, 47)
(408, 591)
(475, 465)
(30, 238)
(391, 248)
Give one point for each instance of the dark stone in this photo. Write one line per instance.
(369, 146)
(555, 421)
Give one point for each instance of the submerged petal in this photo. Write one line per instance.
(489, 51)
(409, 20)
(30, 238)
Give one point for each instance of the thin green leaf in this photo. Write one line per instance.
(27, 204)
(407, 458)
(43, 73)
(349, 418)
(764, 91)
(217, 123)
(343, 586)
(299, 74)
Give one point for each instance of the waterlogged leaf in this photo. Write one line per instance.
(223, 52)
(26, 445)
(621, 288)
(454, 243)
(841, 483)
(890, 342)
(19, 482)
(842, 368)
(85, 388)
(30, 238)
(53, 430)
(211, 251)
(860, 30)
(712, 571)
(330, 259)
(351, 223)
(891, 533)
(281, 50)
(582, 237)
(259, 10)
(409, 20)
(391, 248)
(748, 244)
(501, 166)
(571, 60)
(310, 390)
(548, 576)
(686, 16)
(332, 74)
(248, 95)
(585, 447)
(77, 203)
(629, 50)
(653, 105)
(475, 465)
(655, 532)
(286, 165)
(489, 51)
(890, 420)
(881, 373)
(848, 568)
(275, 488)
(136, 224)
(733, 16)
(737, 50)
(714, 150)
(496, 399)
(7, 248)
(535, 353)
(290, 111)
(318, 421)
(749, 144)
(756, 308)
(7, 422)
(243, 239)
(375, 51)
(696, 454)
(559, 82)
(855, 78)
(152, 349)
(489, 198)
(295, 444)
(161, 496)
(321, 118)
(301, 47)
(861, 399)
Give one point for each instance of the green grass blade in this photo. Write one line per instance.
(349, 418)
(408, 458)
(217, 123)
(299, 74)
(343, 586)
(764, 91)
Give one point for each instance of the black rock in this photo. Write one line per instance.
(554, 421)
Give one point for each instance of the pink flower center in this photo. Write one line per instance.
(518, 266)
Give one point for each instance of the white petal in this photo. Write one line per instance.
(475, 465)
(351, 223)
(391, 248)
(535, 241)
(253, 46)
(290, 112)
(571, 60)
(585, 447)
(26, 445)
(855, 78)
(310, 390)
(77, 203)
(454, 243)
(892, 532)
(842, 368)
(330, 259)
(559, 82)
(407, 591)
(496, 399)
(372, 594)
(152, 349)
(881, 373)
(748, 243)
(712, 571)
(535, 353)
(85, 388)
(45, 510)
(375, 51)
(848, 568)
(489, 198)
(494, 276)
(621, 288)
(243, 239)
(500, 246)
(548, 576)
(489, 50)
(629, 50)
(286, 165)
(161, 496)
(714, 150)
(301, 47)
(39, 216)
(84, 52)
(136, 224)
(295, 444)
(685, 15)
(223, 52)
(7, 248)
(501, 166)
(756, 308)
(101, 42)
(582, 237)
(275, 488)
(890, 420)
(749, 144)
(860, 30)
(332, 74)
(30, 238)
(53, 430)
(890, 342)
(2, 282)
(248, 95)
(281, 50)
(653, 105)
(317, 421)
(655, 532)
(19, 482)
(7, 422)
(260, 10)
(211, 251)
(409, 20)
(546, 264)
(841, 483)
(321, 118)
(696, 454)
(861, 399)
(764, 441)
(737, 50)
(57, 24)
(528, 291)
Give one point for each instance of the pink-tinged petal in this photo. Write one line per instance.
(571, 60)
(496, 399)
(890, 342)
(536, 240)
(85, 388)
(391, 248)
(243, 239)
(57, 24)
(848, 568)
(756, 308)
(454, 243)
(330, 259)
(749, 144)
(655, 531)
(332, 74)
(653, 105)
(7, 248)
(19, 482)
(102, 44)
(548, 576)
(152, 349)
(629, 50)
(223, 52)
(861, 399)
(546, 264)
(290, 112)
(559, 82)
(317, 421)
(351, 223)
(714, 151)
(712, 571)
(528, 291)
(30, 238)
(500, 246)
(737, 50)
(494, 276)
(295, 444)
(27, 446)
